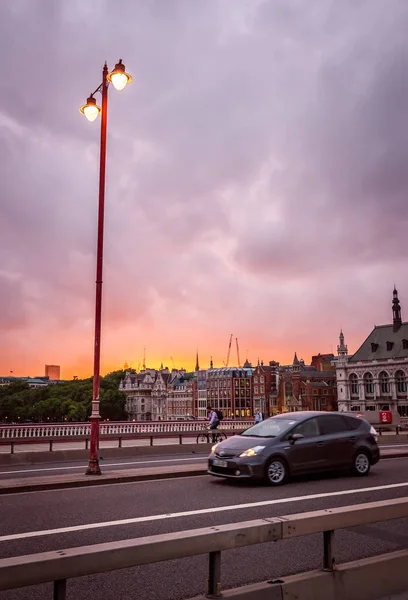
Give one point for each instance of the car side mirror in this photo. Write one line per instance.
(295, 437)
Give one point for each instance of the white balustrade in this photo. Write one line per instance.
(49, 430)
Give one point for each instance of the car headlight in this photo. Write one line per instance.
(252, 451)
(214, 447)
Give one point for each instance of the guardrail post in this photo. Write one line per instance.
(151, 440)
(11, 447)
(214, 575)
(120, 442)
(328, 543)
(86, 443)
(50, 445)
(181, 438)
(60, 589)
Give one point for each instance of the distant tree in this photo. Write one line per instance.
(69, 401)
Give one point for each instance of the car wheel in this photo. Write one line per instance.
(361, 464)
(276, 472)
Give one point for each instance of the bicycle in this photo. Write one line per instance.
(207, 437)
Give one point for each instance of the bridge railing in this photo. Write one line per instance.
(54, 430)
(59, 566)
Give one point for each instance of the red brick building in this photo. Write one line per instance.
(305, 387)
(324, 362)
(265, 381)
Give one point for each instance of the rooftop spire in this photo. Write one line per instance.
(295, 359)
(342, 349)
(396, 310)
(197, 368)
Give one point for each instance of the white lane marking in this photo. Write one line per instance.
(393, 446)
(139, 462)
(201, 511)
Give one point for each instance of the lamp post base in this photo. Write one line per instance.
(93, 465)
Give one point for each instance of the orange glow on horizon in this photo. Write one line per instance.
(83, 370)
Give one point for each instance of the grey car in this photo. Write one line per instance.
(294, 444)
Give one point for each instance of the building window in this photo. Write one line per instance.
(390, 346)
(403, 410)
(314, 392)
(384, 383)
(355, 408)
(262, 379)
(374, 347)
(405, 344)
(262, 389)
(255, 379)
(288, 389)
(368, 384)
(256, 389)
(401, 382)
(354, 384)
(370, 407)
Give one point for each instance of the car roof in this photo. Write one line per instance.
(301, 415)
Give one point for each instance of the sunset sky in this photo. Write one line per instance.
(257, 179)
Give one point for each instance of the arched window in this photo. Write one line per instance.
(354, 384)
(288, 389)
(401, 382)
(368, 384)
(384, 383)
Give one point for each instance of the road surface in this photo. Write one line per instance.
(111, 464)
(25, 471)
(38, 521)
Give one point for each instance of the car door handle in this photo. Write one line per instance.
(319, 443)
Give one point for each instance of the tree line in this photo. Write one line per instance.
(56, 403)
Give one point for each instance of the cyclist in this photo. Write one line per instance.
(214, 422)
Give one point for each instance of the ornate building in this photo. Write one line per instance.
(180, 396)
(146, 394)
(375, 377)
(304, 387)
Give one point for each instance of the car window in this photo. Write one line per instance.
(332, 424)
(308, 428)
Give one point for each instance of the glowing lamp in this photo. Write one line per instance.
(118, 77)
(91, 110)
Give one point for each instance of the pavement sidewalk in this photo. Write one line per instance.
(73, 480)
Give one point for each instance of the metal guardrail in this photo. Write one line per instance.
(178, 435)
(54, 430)
(61, 565)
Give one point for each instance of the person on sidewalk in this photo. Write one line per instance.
(258, 416)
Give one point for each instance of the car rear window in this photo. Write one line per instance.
(353, 422)
(332, 424)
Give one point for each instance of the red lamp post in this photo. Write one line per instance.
(119, 78)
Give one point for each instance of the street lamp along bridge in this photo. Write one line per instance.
(119, 79)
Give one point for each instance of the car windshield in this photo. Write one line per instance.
(269, 428)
